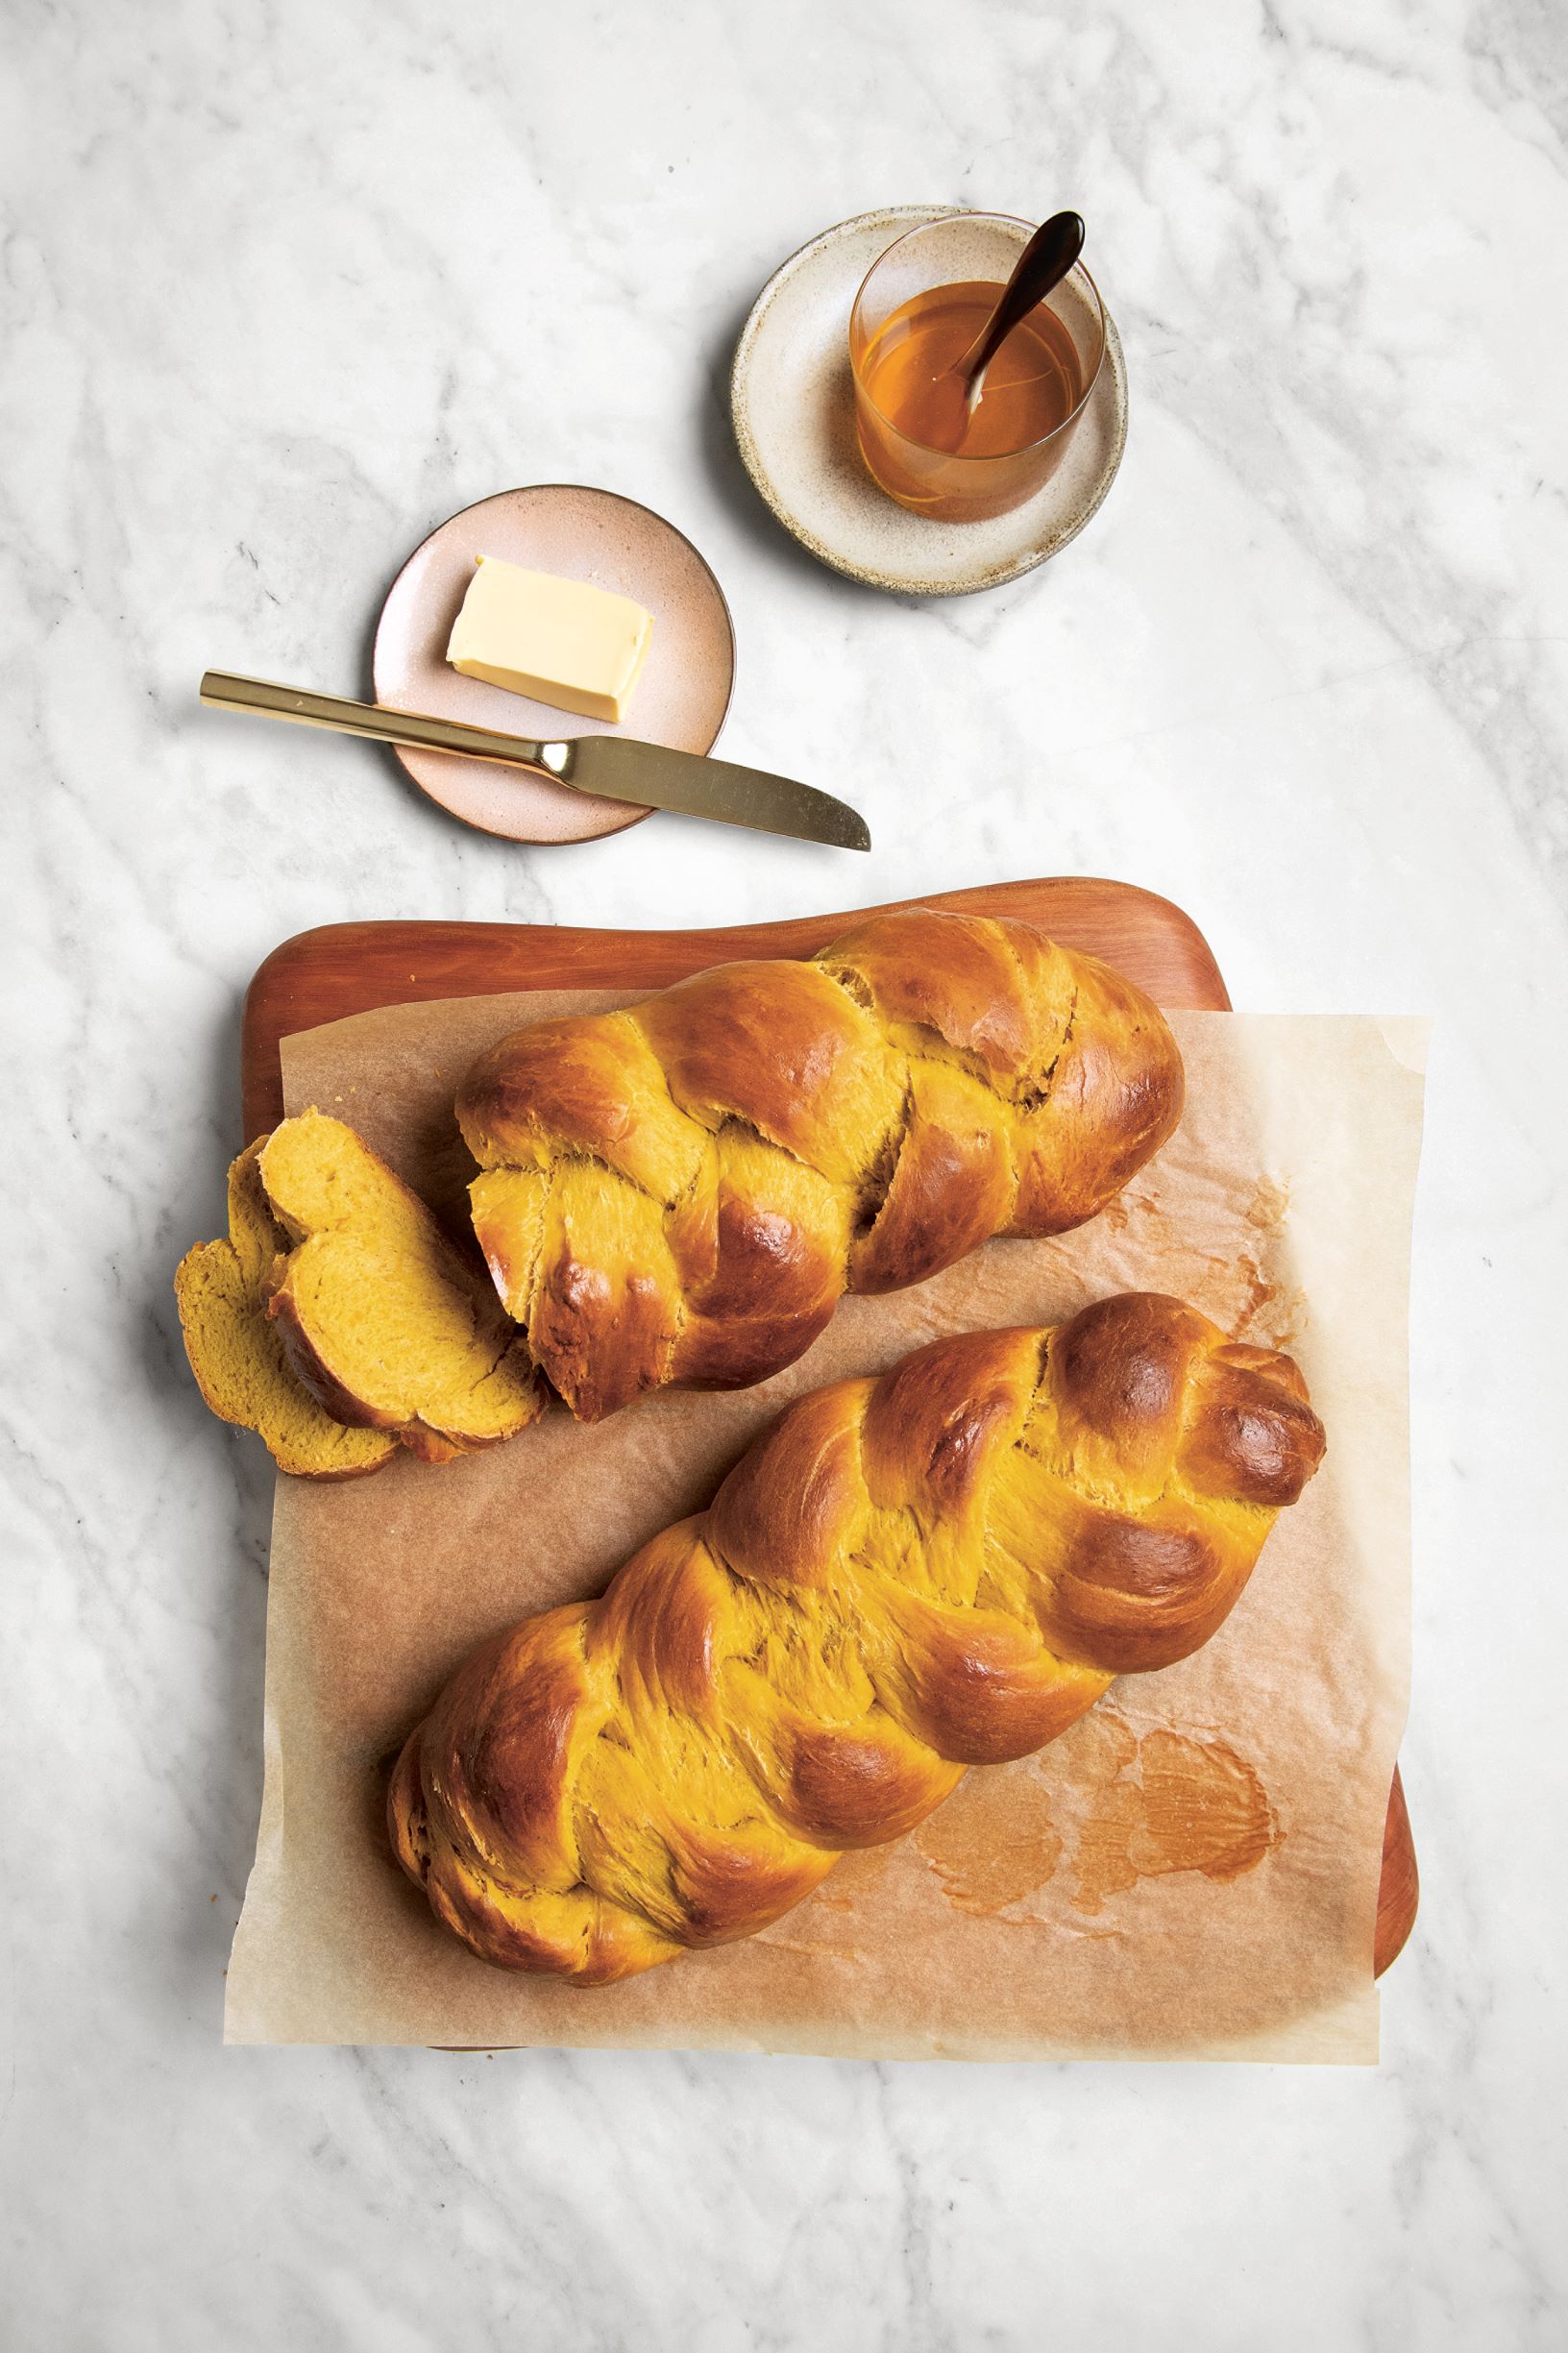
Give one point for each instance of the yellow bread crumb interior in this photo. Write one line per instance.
(236, 1352)
(339, 1319)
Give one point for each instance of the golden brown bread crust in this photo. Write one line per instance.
(903, 1577)
(683, 1191)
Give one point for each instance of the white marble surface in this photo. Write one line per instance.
(282, 284)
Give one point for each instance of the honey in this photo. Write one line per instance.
(916, 434)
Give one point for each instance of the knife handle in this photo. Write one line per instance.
(225, 692)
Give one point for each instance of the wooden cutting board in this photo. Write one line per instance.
(353, 967)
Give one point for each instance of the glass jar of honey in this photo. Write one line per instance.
(921, 307)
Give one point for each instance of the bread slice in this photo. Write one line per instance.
(387, 1323)
(236, 1351)
(373, 1328)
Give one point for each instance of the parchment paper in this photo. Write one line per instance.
(1190, 1871)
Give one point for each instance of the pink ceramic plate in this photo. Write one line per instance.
(583, 534)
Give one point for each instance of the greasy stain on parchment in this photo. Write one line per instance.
(1236, 1287)
(1147, 1806)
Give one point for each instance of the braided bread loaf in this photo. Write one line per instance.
(683, 1191)
(903, 1577)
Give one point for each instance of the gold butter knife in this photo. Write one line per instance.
(614, 766)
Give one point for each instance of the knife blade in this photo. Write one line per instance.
(609, 767)
(698, 786)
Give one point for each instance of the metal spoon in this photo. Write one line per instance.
(1042, 265)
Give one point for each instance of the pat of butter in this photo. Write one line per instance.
(564, 642)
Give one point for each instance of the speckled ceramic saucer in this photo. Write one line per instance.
(794, 410)
(581, 534)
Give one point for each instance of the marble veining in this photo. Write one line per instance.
(281, 285)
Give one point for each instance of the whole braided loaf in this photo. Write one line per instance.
(903, 1577)
(683, 1191)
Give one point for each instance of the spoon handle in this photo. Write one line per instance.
(1042, 265)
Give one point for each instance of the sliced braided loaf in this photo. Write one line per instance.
(903, 1577)
(683, 1191)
